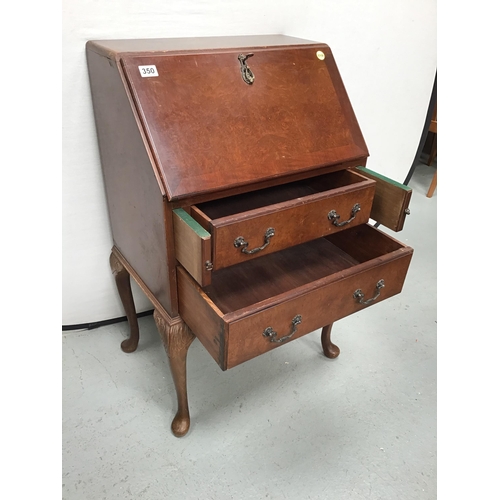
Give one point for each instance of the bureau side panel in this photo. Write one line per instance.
(134, 195)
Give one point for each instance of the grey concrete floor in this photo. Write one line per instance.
(290, 424)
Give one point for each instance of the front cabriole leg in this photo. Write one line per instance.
(177, 337)
(122, 280)
(330, 350)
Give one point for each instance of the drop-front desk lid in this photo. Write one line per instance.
(224, 112)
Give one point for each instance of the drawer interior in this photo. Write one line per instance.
(246, 284)
(232, 205)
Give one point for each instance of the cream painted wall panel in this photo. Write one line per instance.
(385, 50)
(386, 53)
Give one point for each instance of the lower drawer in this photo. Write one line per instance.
(259, 305)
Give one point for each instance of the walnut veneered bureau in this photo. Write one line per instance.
(238, 194)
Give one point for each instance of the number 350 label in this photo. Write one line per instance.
(147, 71)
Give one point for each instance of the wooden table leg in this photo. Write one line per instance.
(330, 350)
(177, 338)
(122, 279)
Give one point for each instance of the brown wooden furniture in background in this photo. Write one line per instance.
(432, 154)
(238, 195)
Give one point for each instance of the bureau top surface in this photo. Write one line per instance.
(210, 130)
(196, 44)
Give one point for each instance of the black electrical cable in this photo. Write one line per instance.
(97, 324)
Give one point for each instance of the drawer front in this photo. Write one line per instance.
(192, 246)
(391, 200)
(316, 308)
(255, 233)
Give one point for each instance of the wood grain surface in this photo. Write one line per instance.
(295, 221)
(390, 202)
(134, 192)
(115, 48)
(210, 130)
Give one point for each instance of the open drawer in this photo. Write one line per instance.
(228, 231)
(256, 306)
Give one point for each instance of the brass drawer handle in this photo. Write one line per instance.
(269, 332)
(333, 216)
(240, 242)
(359, 295)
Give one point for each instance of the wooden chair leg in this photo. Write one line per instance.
(177, 338)
(433, 185)
(433, 151)
(122, 279)
(330, 350)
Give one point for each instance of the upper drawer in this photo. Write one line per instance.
(240, 228)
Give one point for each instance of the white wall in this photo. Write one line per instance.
(385, 51)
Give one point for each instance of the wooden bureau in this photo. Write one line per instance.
(238, 194)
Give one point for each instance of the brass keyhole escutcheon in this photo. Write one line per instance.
(246, 72)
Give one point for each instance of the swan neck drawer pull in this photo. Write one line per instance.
(334, 217)
(240, 242)
(359, 295)
(271, 334)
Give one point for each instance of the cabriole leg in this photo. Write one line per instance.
(122, 279)
(330, 350)
(177, 338)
